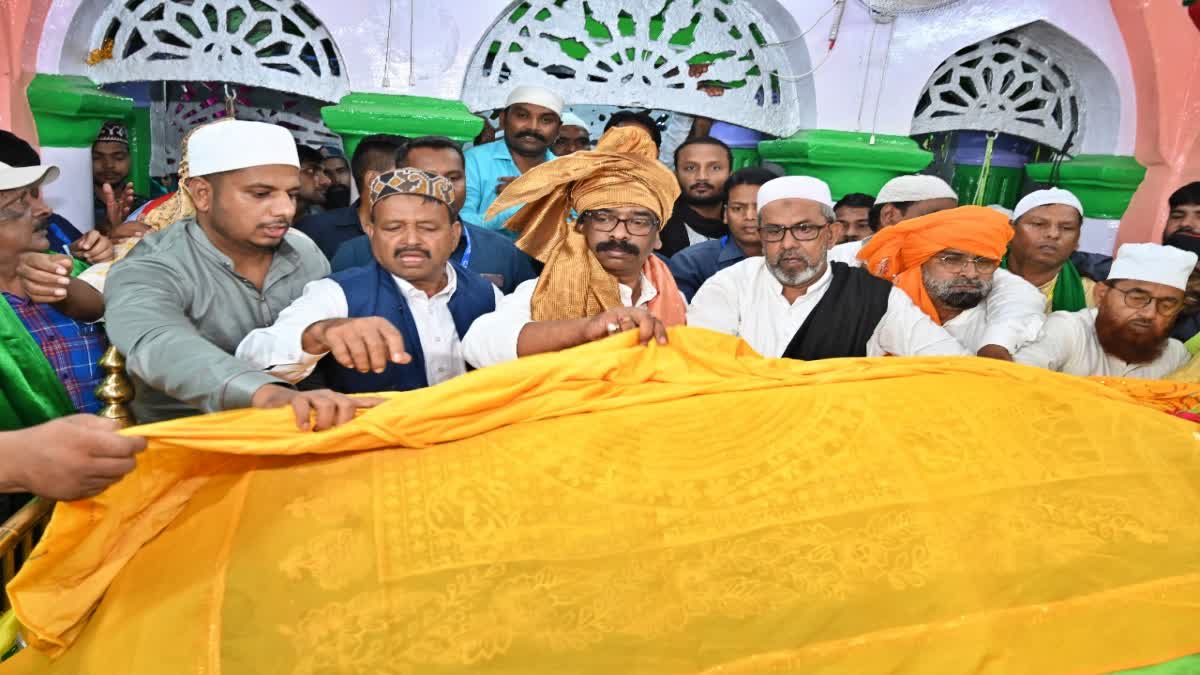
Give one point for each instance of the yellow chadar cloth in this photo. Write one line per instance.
(585, 512)
(623, 170)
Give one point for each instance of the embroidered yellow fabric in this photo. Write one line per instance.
(692, 508)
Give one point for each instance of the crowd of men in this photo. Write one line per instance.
(260, 282)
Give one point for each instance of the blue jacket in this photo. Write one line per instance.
(692, 266)
(331, 228)
(486, 165)
(479, 250)
(371, 291)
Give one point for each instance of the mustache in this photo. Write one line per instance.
(619, 245)
(531, 134)
(702, 183)
(411, 249)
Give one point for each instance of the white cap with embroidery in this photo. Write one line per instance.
(914, 189)
(1044, 198)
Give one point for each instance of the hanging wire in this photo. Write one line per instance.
(862, 98)
(387, 50)
(887, 53)
(814, 25)
(1059, 156)
(412, 47)
(986, 169)
(833, 31)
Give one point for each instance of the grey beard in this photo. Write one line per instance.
(813, 269)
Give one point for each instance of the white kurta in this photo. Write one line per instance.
(493, 337)
(276, 349)
(1011, 317)
(746, 300)
(1068, 344)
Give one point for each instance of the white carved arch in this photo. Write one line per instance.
(662, 54)
(1035, 82)
(278, 44)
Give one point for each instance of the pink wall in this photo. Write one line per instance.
(20, 28)
(1164, 52)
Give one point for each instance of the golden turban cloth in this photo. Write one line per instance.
(896, 253)
(622, 170)
(585, 512)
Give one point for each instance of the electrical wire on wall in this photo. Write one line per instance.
(840, 6)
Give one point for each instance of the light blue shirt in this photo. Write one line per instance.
(486, 165)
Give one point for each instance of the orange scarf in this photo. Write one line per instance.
(897, 253)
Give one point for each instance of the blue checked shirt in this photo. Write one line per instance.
(72, 348)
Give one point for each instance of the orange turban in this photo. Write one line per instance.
(896, 253)
(622, 170)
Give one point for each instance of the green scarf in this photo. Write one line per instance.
(30, 391)
(1069, 295)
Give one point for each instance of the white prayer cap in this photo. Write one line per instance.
(572, 120)
(1042, 198)
(1155, 263)
(794, 187)
(914, 189)
(239, 144)
(1000, 208)
(13, 177)
(536, 96)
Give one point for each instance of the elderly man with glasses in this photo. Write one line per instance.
(946, 262)
(794, 302)
(1127, 334)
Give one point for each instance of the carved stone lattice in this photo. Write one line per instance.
(269, 43)
(1007, 83)
(172, 119)
(702, 57)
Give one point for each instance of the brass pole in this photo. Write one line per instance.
(115, 390)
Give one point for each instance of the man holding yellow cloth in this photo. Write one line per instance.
(593, 219)
(947, 263)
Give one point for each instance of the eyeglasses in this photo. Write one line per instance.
(800, 231)
(1136, 298)
(958, 263)
(606, 221)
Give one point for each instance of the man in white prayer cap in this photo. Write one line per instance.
(1128, 332)
(530, 121)
(573, 135)
(796, 303)
(1046, 227)
(178, 305)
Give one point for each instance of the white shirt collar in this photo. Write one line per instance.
(649, 292)
(413, 293)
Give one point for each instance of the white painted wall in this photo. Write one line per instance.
(445, 35)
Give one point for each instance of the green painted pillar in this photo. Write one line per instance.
(360, 114)
(1104, 183)
(68, 111)
(848, 161)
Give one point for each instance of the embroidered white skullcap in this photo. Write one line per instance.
(13, 177)
(239, 145)
(1042, 198)
(794, 187)
(570, 119)
(536, 96)
(1155, 263)
(914, 189)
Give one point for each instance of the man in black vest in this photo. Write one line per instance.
(394, 324)
(794, 302)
